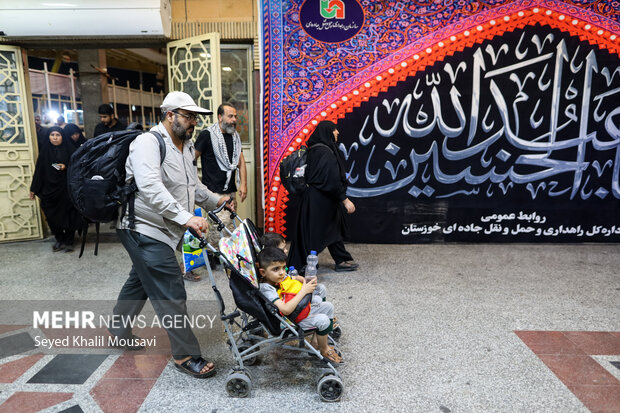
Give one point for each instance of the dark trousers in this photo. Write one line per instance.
(62, 235)
(155, 275)
(339, 253)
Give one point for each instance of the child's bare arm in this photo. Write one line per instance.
(299, 278)
(289, 307)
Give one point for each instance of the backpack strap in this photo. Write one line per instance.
(162, 146)
(84, 233)
(97, 224)
(131, 188)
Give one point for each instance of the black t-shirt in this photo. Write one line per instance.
(100, 129)
(212, 176)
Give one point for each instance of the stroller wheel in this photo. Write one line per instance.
(243, 347)
(336, 333)
(330, 388)
(238, 385)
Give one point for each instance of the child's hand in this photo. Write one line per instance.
(299, 278)
(308, 287)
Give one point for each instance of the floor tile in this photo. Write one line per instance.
(595, 342)
(16, 344)
(578, 370)
(11, 371)
(69, 369)
(73, 409)
(4, 328)
(548, 342)
(598, 399)
(30, 402)
(121, 395)
(130, 366)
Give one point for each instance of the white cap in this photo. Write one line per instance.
(181, 100)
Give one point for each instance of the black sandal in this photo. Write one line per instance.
(193, 367)
(346, 266)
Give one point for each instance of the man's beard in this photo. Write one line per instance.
(229, 128)
(180, 132)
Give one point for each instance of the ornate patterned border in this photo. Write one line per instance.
(281, 139)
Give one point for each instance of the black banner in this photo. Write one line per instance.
(516, 139)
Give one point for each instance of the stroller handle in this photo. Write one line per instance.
(203, 241)
(224, 205)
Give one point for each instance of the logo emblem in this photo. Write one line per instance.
(331, 21)
(331, 9)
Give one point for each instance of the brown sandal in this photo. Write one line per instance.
(332, 356)
(191, 276)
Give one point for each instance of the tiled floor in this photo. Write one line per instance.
(121, 387)
(568, 355)
(437, 328)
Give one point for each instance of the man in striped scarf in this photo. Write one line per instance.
(220, 152)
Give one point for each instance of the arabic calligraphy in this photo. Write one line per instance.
(534, 113)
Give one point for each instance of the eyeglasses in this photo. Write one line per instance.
(191, 117)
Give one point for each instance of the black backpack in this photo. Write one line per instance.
(293, 170)
(96, 179)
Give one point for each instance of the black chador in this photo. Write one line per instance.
(320, 219)
(49, 183)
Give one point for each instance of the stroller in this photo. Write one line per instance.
(256, 326)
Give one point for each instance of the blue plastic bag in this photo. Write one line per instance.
(192, 253)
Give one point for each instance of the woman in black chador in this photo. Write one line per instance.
(73, 131)
(320, 218)
(49, 183)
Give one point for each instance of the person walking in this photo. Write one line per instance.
(74, 132)
(322, 206)
(49, 183)
(108, 123)
(163, 204)
(221, 155)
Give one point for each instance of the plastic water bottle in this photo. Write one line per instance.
(311, 263)
(292, 272)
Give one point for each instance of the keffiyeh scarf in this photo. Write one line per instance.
(221, 153)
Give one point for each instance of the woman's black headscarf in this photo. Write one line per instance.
(49, 182)
(324, 133)
(71, 129)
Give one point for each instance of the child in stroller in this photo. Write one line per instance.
(256, 326)
(272, 263)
